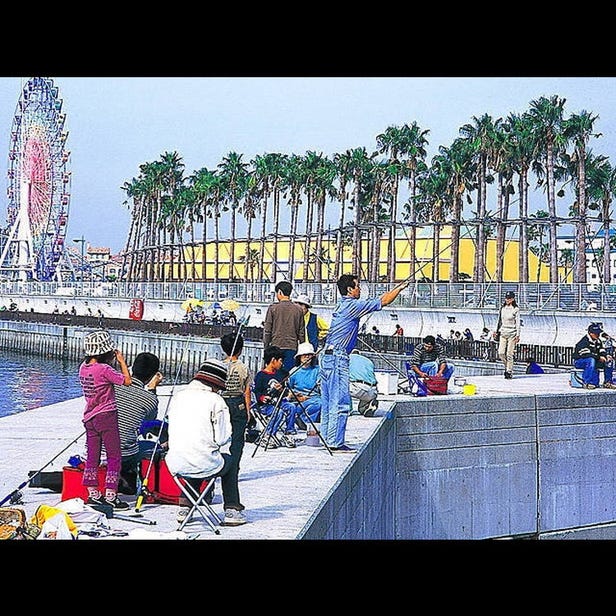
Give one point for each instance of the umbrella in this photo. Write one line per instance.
(229, 304)
(192, 303)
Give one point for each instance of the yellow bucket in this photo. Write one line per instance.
(469, 389)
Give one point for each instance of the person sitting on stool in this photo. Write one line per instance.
(362, 383)
(590, 356)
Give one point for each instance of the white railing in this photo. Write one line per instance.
(531, 297)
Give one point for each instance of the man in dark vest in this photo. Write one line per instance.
(316, 327)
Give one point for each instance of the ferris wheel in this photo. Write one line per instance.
(38, 190)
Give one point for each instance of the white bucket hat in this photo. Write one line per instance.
(303, 299)
(97, 343)
(305, 348)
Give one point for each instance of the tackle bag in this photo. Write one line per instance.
(436, 385)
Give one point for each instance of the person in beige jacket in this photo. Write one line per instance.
(508, 332)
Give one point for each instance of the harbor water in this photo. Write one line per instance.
(31, 381)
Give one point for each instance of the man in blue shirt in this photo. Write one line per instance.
(334, 363)
(362, 381)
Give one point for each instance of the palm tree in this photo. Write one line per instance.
(293, 177)
(546, 115)
(233, 174)
(522, 147)
(359, 165)
(482, 139)
(342, 163)
(601, 185)
(536, 233)
(579, 129)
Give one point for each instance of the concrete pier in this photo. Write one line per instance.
(529, 457)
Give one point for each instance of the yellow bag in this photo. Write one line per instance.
(54, 523)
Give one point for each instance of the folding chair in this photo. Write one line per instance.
(198, 501)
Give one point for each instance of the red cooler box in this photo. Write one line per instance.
(72, 486)
(161, 487)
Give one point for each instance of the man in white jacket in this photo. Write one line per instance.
(200, 435)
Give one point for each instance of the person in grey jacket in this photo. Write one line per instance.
(200, 437)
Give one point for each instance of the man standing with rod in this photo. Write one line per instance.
(334, 364)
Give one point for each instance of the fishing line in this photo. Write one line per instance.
(144, 485)
(15, 495)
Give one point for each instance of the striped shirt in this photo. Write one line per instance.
(421, 355)
(135, 404)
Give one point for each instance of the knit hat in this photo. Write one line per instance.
(594, 328)
(98, 343)
(303, 299)
(305, 348)
(213, 372)
(509, 295)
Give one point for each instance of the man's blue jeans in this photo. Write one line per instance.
(335, 396)
(591, 370)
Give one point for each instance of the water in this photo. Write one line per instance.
(30, 381)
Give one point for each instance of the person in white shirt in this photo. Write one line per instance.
(200, 436)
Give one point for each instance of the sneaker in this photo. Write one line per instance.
(118, 504)
(343, 449)
(97, 502)
(233, 517)
(270, 442)
(287, 441)
(182, 513)
(371, 409)
(508, 375)
(589, 386)
(609, 385)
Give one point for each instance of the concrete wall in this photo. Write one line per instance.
(481, 467)
(362, 503)
(557, 328)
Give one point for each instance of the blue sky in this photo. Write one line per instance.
(116, 124)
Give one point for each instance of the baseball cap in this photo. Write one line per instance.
(509, 295)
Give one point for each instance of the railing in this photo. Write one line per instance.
(393, 347)
(531, 297)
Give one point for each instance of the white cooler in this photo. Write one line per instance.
(387, 382)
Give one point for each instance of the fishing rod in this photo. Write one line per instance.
(15, 496)
(382, 356)
(276, 410)
(144, 484)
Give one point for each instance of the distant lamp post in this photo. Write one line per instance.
(81, 240)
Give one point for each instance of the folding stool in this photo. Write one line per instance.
(198, 502)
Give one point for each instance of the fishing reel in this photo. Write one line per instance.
(17, 498)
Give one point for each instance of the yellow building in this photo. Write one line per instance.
(278, 268)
